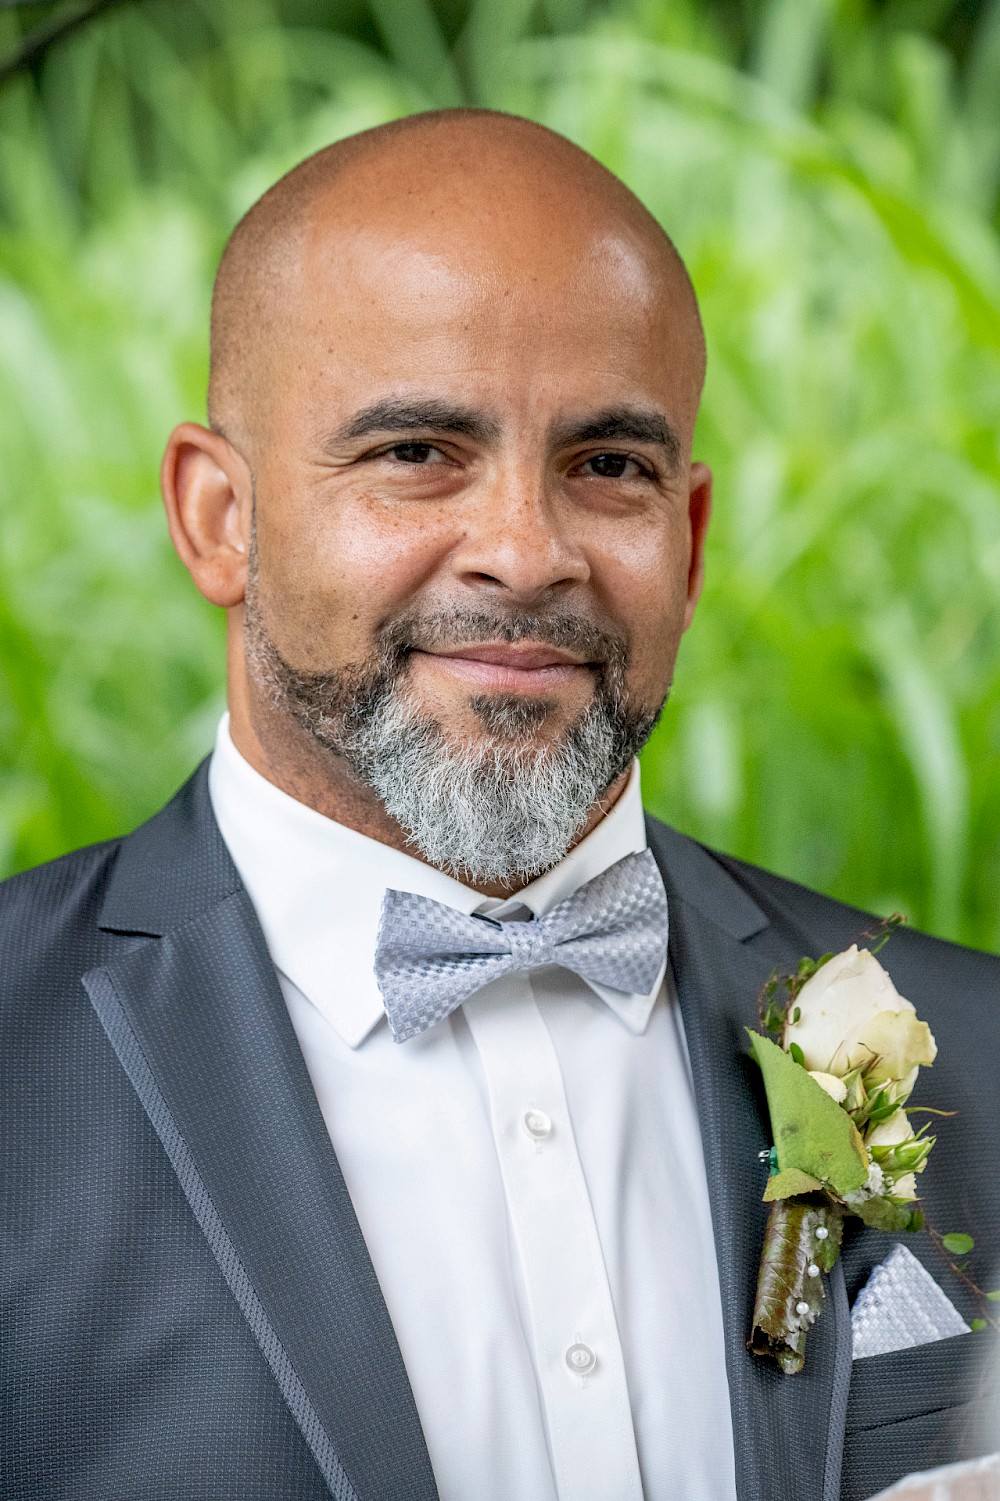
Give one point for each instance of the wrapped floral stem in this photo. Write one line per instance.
(801, 1242)
(837, 1081)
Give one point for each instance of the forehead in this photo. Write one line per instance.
(530, 301)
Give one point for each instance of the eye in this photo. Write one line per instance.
(415, 453)
(615, 466)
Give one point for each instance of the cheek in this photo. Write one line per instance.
(335, 565)
(643, 579)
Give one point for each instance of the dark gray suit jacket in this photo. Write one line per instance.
(188, 1309)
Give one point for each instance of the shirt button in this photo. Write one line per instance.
(537, 1124)
(581, 1359)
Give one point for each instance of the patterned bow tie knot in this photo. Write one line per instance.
(429, 957)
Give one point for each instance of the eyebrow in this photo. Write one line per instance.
(617, 424)
(419, 414)
(622, 424)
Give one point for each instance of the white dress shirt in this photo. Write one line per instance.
(528, 1174)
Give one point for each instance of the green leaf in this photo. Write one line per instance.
(876, 1109)
(810, 1132)
(958, 1244)
(903, 1157)
(796, 1052)
(772, 1011)
(976, 1324)
(789, 1183)
(413, 36)
(773, 1016)
(893, 1215)
(797, 1014)
(994, 1297)
(888, 926)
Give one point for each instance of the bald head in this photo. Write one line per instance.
(456, 367)
(510, 196)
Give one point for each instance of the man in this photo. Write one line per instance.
(308, 1193)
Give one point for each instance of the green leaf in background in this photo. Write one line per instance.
(958, 1244)
(811, 1133)
(831, 175)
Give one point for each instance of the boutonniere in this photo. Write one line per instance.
(845, 1056)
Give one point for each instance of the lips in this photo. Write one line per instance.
(508, 667)
(524, 657)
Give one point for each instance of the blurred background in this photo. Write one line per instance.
(830, 170)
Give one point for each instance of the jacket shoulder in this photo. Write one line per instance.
(49, 915)
(822, 923)
(58, 883)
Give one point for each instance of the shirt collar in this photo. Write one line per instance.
(317, 887)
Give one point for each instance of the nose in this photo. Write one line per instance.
(521, 539)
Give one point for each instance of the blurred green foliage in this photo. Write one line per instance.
(829, 169)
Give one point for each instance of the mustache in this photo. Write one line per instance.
(461, 627)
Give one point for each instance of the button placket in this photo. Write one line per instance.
(573, 1330)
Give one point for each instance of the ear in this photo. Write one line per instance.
(699, 511)
(208, 493)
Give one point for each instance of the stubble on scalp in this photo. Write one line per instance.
(257, 279)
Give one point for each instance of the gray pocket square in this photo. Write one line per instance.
(901, 1306)
(974, 1480)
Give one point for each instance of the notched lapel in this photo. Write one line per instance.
(788, 1430)
(198, 1020)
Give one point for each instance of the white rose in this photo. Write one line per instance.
(850, 1015)
(834, 1087)
(893, 1132)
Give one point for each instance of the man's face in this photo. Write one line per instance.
(472, 450)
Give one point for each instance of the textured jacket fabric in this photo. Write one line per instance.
(187, 1308)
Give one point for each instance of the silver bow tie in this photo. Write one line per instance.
(430, 958)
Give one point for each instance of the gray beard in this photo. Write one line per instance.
(498, 811)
